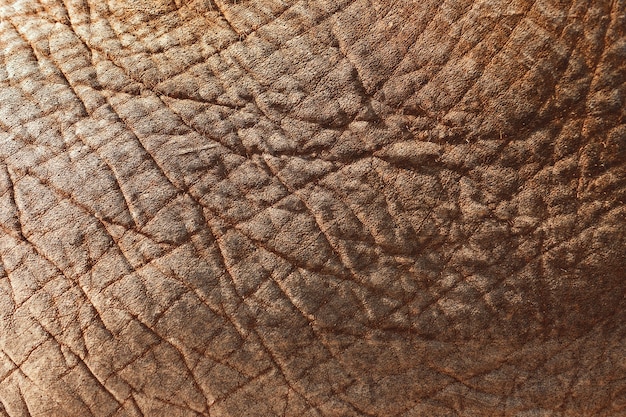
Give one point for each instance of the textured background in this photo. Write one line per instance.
(313, 208)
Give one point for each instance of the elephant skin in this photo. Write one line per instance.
(313, 208)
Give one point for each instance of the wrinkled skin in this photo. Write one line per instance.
(313, 208)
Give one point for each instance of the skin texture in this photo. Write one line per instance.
(313, 208)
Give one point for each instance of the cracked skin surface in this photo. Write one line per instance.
(313, 208)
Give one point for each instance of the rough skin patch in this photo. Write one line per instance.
(313, 208)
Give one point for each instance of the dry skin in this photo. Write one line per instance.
(313, 208)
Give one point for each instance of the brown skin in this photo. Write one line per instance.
(316, 208)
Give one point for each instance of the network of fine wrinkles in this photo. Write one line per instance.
(300, 208)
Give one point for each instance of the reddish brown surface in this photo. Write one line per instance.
(313, 208)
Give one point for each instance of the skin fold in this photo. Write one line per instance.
(313, 208)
